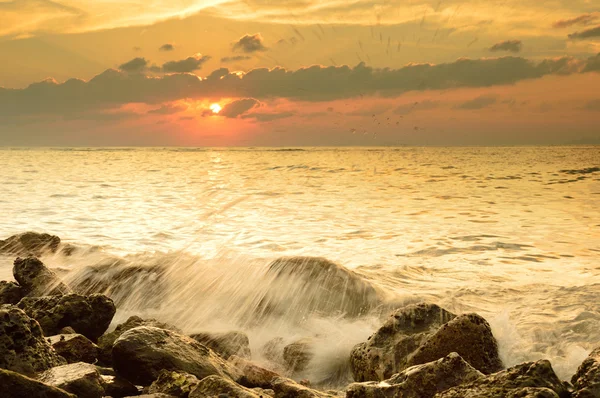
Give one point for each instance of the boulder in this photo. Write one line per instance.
(81, 379)
(252, 375)
(174, 383)
(287, 388)
(225, 344)
(141, 353)
(298, 354)
(16, 385)
(10, 293)
(217, 387)
(106, 341)
(420, 381)
(36, 279)
(387, 351)
(532, 379)
(87, 315)
(74, 348)
(586, 380)
(23, 348)
(29, 243)
(118, 387)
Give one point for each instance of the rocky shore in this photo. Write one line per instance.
(54, 342)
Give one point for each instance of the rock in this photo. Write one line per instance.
(67, 330)
(468, 335)
(36, 279)
(263, 392)
(87, 315)
(305, 285)
(106, 341)
(29, 243)
(16, 385)
(74, 348)
(586, 380)
(526, 380)
(158, 395)
(23, 348)
(174, 383)
(141, 353)
(420, 381)
(81, 379)
(10, 293)
(217, 387)
(297, 355)
(387, 351)
(286, 388)
(118, 387)
(225, 344)
(273, 350)
(252, 375)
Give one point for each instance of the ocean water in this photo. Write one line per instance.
(510, 233)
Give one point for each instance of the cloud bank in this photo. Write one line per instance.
(513, 46)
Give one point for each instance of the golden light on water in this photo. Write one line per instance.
(215, 108)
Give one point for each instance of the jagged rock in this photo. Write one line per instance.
(216, 386)
(67, 330)
(263, 392)
(81, 379)
(387, 351)
(178, 384)
(252, 375)
(106, 341)
(16, 385)
(29, 243)
(10, 293)
(87, 315)
(305, 285)
(117, 387)
(586, 380)
(525, 380)
(23, 348)
(468, 335)
(298, 354)
(141, 353)
(420, 381)
(286, 388)
(36, 279)
(225, 344)
(74, 348)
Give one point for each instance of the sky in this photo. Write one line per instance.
(299, 72)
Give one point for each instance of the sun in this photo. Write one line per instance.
(215, 108)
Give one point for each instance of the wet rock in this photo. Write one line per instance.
(74, 348)
(273, 350)
(141, 353)
(225, 344)
(586, 380)
(106, 341)
(23, 348)
(29, 243)
(178, 384)
(303, 285)
(16, 385)
(420, 381)
(298, 354)
(526, 380)
(217, 387)
(468, 335)
(81, 379)
(87, 315)
(286, 388)
(252, 375)
(387, 351)
(10, 293)
(36, 279)
(118, 387)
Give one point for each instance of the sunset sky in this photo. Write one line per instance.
(299, 72)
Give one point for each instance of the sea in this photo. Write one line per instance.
(511, 233)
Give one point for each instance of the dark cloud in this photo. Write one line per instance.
(586, 34)
(236, 58)
(135, 65)
(592, 64)
(584, 19)
(239, 107)
(166, 47)
(513, 46)
(250, 43)
(167, 109)
(268, 117)
(478, 103)
(187, 65)
(593, 105)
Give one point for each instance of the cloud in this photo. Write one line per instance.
(136, 65)
(508, 45)
(250, 43)
(166, 47)
(478, 103)
(405, 109)
(586, 34)
(236, 58)
(268, 117)
(584, 19)
(167, 109)
(187, 65)
(592, 64)
(239, 107)
(593, 105)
